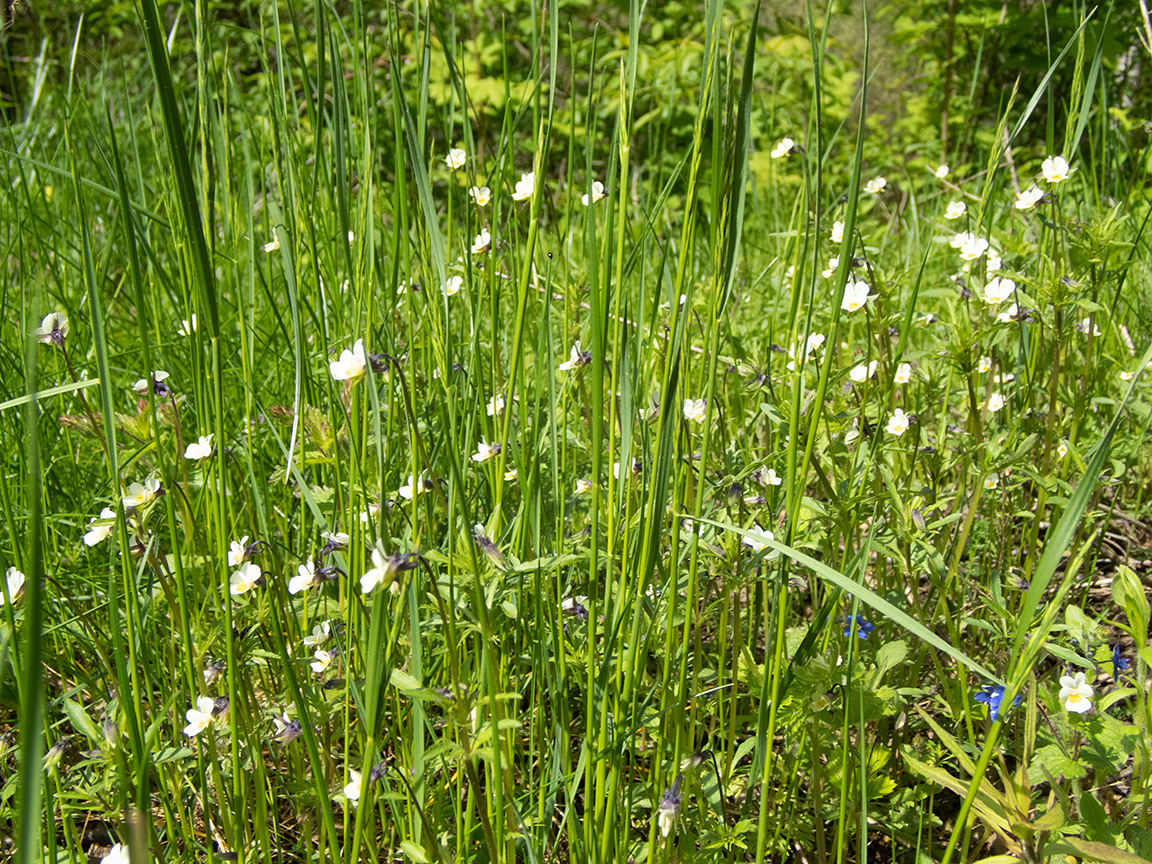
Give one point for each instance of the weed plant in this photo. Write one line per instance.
(414, 468)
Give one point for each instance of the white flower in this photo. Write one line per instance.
(495, 406)
(237, 550)
(985, 365)
(771, 478)
(833, 263)
(941, 172)
(187, 326)
(302, 581)
(321, 660)
(1005, 378)
(1075, 692)
(695, 409)
(351, 365)
(973, 248)
(482, 242)
(455, 158)
(995, 403)
(1028, 199)
(597, 194)
(855, 296)
(524, 187)
(582, 486)
(511, 473)
(351, 236)
(1062, 450)
(378, 573)
(862, 372)
(413, 488)
(875, 185)
(903, 373)
(783, 148)
(14, 580)
(1125, 375)
(897, 423)
(244, 579)
(452, 285)
(1055, 170)
(485, 451)
(955, 210)
(52, 329)
(1008, 314)
(665, 820)
(481, 195)
(1086, 324)
(837, 232)
(140, 494)
(334, 539)
(320, 634)
(756, 544)
(576, 358)
(960, 239)
(199, 450)
(273, 244)
(199, 717)
(142, 385)
(354, 786)
(991, 482)
(992, 263)
(118, 854)
(101, 527)
(998, 290)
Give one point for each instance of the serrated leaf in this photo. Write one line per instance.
(1052, 759)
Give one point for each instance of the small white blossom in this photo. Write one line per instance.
(582, 486)
(456, 158)
(524, 187)
(321, 660)
(897, 423)
(973, 248)
(495, 406)
(452, 285)
(997, 290)
(14, 581)
(955, 210)
(353, 787)
(576, 358)
(485, 451)
(855, 296)
(244, 579)
(140, 494)
(991, 482)
(1028, 199)
(837, 231)
(199, 450)
(1076, 693)
(481, 195)
(53, 329)
(903, 373)
(875, 186)
(237, 551)
(118, 854)
(351, 365)
(320, 634)
(302, 581)
(101, 527)
(985, 365)
(695, 409)
(597, 194)
(199, 717)
(941, 172)
(482, 242)
(1055, 169)
(783, 148)
(833, 263)
(862, 372)
(273, 244)
(995, 402)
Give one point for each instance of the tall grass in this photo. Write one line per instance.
(521, 596)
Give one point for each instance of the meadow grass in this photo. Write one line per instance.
(578, 463)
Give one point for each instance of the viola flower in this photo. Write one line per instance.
(455, 158)
(1075, 692)
(757, 545)
(285, 730)
(482, 242)
(524, 187)
(855, 296)
(199, 450)
(140, 494)
(511, 473)
(304, 579)
(837, 231)
(321, 660)
(862, 372)
(770, 477)
(1062, 450)
(875, 186)
(1119, 662)
(783, 148)
(238, 551)
(244, 579)
(273, 244)
(960, 239)
(481, 195)
(14, 582)
(576, 358)
(1005, 378)
(820, 700)
(199, 717)
(1087, 325)
(998, 290)
(941, 172)
(995, 402)
(452, 285)
(495, 406)
(857, 625)
(1125, 375)
(992, 695)
(955, 210)
(1029, 198)
(118, 854)
(333, 540)
(351, 365)
(597, 194)
(993, 262)
(898, 423)
(991, 482)
(353, 787)
(155, 382)
(985, 365)
(485, 451)
(1008, 315)
(53, 330)
(100, 528)
(903, 373)
(187, 326)
(973, 248)
(320, 634)
(382, 570)
(669, 807)
(1055, 170)
(833, 263)
(582, 486)
(695, 409)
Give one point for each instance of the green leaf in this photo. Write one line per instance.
(81, 722)
(1081, 848)
(1128, 594)
(891, 655)
(1052, 759)
(415, 852)
(51, 391)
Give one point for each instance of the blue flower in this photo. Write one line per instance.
(992, 695)
(1119, 663)
(859, 624)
